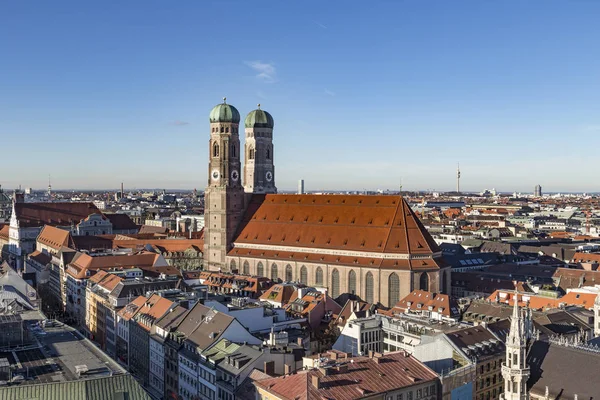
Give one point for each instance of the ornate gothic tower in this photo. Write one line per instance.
(515, 370)
(259, 171)
(597, 316)
(224, 195)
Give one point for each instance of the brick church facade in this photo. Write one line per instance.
(371, 246)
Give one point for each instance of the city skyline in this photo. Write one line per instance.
(505, 89)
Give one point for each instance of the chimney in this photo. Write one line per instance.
(333, 355)
(269, 368)
(371, 352)
(287, 369)
(316, 381)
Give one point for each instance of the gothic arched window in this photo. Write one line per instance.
(268, 153)
(216, 150)
(251, 153)
(274, 272)
(369, 290)
(424, 282)
(393, 290)
(335, 283)
(352, 282)
(222, 129)
(232, 266)
(246, 268)
(288, 273)
(260, 270)
(226, 130)
(319, 276)
(304, 275)
(233, 150)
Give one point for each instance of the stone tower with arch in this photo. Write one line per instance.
(224, 196)
(259, 168)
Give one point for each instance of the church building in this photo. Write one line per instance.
(373, 246)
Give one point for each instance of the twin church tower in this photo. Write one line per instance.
(229, 191)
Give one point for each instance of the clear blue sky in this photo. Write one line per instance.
(364, 94)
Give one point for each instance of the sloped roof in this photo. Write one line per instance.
(421, 300)
(121, 222)
(563, 370)
(55, 237)
(377, 224)
(56, 214)
(364, 377)
(280, 293)
(4, 231)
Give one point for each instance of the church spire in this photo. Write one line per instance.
(515, 370)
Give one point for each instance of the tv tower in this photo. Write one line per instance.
(457, 178)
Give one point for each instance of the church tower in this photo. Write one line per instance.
(515, 370)
(224, 195)
(597, 316)
(259, 170)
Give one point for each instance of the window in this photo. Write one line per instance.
(246, 268)
(352, 282)
(274, 272)
(233, 151)
(369, 291)
(260, 270)
(216, 150)
(393, 290)
(335, 283)
(319, 276)
(304, 275)
(288, 273)
(424, 282)
(251, 153)
(232, 266)
(268, 153)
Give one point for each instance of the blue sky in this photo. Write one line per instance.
(364, 94)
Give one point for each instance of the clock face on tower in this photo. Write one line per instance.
(215, 175)
(269, 176)
(235, 175)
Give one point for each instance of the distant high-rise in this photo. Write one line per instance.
(301, 186)
(537, 191)
(457, 178)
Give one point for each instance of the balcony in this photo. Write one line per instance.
(506, 370)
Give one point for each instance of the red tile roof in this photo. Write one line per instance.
(56, 214)
(55, 237)
(364, 377)
(377, 224)
(420, 300)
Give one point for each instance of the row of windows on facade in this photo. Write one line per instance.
(251, 152)
(393, 280)
(224, 129)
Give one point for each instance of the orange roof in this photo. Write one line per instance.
(579, 299)
(586, 257)
(379, 224)
(525, 299)
(55, 237)
(4, 232)
(132, 308)
(280, 293)
(83, 262)
(154, 308)
(420, 300)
